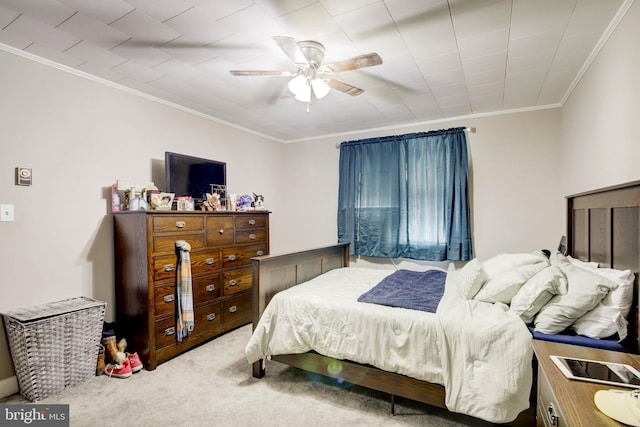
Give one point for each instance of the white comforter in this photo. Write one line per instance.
(486, 369)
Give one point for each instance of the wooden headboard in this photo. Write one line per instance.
(604, 226)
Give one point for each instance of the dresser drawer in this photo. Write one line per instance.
(251, 221)
(206, 262)
(205, 319)
(206, 289)
(251, 235)
(208, 318)
(165, 332)
(165, 299)
(220, 230)
(237, 308)
(164, 267)
(235, 281)
(173, 223)
(167, 243)
(238, 256)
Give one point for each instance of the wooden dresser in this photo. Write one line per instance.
(222, 245)
(564, 402)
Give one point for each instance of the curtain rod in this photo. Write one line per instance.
(471, 129)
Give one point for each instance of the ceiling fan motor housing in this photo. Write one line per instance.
(313, 51)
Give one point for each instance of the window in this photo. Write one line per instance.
(406, 196)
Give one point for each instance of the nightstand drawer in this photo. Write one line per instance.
(548, 410)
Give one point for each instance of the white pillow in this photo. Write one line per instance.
(503, 262)
(609, 316)
(583, 264)
(537, 292)
(585, 290)
(504, 286)
(471, 277)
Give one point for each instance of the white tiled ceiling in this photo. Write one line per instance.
(441, 59)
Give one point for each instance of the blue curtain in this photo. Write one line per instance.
(406, 196)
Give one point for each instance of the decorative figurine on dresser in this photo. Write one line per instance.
(185, 276)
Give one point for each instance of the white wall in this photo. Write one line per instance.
(600, 132)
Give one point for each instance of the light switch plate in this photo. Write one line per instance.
(6, 213)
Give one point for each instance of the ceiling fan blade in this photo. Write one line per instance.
(362, 61)
(261, 73)
(290, 47)
(344, 87)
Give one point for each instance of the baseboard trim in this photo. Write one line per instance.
(8, 387)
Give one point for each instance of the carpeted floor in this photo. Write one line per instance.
(212, 386)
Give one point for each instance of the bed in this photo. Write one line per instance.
(602, 227)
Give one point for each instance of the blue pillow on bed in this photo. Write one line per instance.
(416, 290)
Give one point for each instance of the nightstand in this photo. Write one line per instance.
(564, 402)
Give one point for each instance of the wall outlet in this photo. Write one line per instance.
(6, 213)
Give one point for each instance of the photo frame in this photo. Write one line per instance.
(162, 201)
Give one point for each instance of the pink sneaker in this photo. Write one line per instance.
(122, 370)
(134, 361)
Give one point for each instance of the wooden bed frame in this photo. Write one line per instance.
(602, 226)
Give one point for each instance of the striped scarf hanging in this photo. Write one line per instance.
(184, 291)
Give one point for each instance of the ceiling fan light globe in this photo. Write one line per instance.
(298, 85)
(304, 96)
(320, 88)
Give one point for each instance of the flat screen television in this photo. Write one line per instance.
(193, 176)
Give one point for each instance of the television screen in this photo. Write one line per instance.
(193, 176)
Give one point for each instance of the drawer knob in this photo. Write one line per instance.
(210, 288)
(252, 236)
(221, 231)
(181, 224)
(252, 222)
(170, 331)
(233, 282)
(210, 261)
(232, 258)
(233, 309)
(169, 298)
(553, 418)
(168, 267)
(211, 317)
(260, 253)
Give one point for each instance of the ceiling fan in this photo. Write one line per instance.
(313, 78)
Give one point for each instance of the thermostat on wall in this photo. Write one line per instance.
(23, 176)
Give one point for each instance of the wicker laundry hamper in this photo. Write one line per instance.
(54, 345)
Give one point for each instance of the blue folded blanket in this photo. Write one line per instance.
(416, 290)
